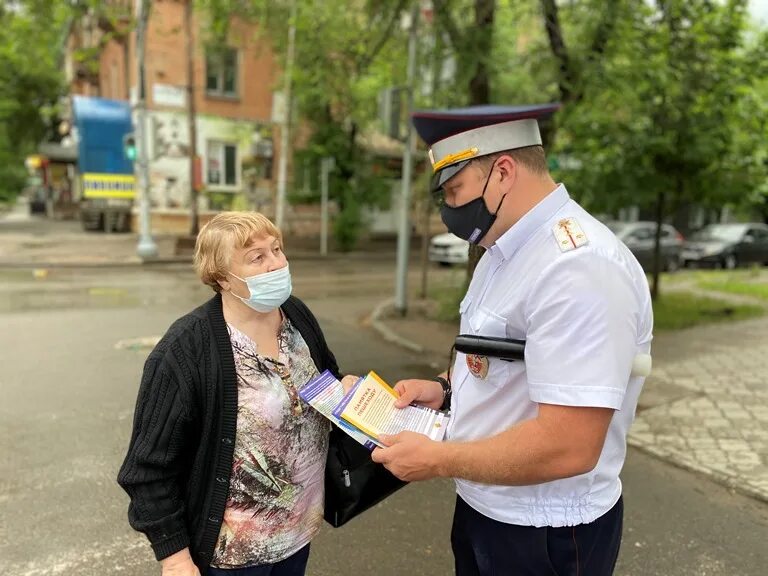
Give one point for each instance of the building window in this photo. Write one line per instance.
(222, 164)
(221, 72)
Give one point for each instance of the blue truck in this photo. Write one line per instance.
(106, 172)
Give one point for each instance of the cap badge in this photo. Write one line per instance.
(453, 158)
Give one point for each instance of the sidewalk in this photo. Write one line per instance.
(36, 242)
(704, 408)
(44, 243)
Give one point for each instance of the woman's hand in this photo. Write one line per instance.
(179, 564)
(349, 381)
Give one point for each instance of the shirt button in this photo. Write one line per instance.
(221, 479)
(226, 440)
(212, 519)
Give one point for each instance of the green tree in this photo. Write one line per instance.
(663, 125)
(30, 83)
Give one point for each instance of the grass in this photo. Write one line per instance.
(673, 311)
(447, 299)
(752, 282)
(677, 310)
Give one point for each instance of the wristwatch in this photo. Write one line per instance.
(446, 386)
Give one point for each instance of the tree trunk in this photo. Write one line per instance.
(480, 85)
(655, 287)
(566, 78)
(194, 218)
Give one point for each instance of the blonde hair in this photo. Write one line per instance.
(221, 236)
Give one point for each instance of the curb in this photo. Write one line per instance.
(170, 260)
(717, 477)
(9, 265)
(387, 333)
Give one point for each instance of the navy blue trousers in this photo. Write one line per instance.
(294, 565)
(486, 547)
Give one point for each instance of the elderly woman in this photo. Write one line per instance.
(225, 465)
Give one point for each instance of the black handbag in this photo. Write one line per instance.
(353, 482)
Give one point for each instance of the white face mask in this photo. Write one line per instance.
(268, 291)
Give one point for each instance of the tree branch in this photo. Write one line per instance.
(381, 42)
(603, 31)
(566, 78)
(443, 13)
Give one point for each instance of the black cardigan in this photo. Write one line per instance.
(179, 461)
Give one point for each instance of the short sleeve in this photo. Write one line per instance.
(581, 338)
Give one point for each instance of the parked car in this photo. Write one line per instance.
(640, 239)
(727, 246)
(447, 249)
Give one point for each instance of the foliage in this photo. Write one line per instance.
(665, 115)
(30, 83)
(669, 118)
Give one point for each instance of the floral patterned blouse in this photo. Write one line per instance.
(275, 502)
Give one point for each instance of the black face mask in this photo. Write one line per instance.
(470, 221)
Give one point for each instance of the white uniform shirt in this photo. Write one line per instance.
(585, 313)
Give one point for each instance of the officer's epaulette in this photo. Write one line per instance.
(569, 234)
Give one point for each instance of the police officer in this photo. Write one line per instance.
(536, 447)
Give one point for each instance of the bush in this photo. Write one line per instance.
(347, 226)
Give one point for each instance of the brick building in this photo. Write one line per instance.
(234, 94)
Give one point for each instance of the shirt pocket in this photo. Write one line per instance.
(484, 322)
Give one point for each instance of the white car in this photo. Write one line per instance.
(448, 249)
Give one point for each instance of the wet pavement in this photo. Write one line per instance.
(72, 344)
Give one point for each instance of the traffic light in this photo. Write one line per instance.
(129, 146)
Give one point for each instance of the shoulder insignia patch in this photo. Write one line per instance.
(569, 234)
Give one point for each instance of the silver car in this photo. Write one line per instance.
(640, 239)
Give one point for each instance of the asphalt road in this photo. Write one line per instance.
(66, 401)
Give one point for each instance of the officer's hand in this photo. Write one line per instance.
(425, 392)
(409, 456)
(348, 382)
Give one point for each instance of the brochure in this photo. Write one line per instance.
(370, 408)
(324, 393)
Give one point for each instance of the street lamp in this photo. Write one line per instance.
(146, 247)
(404, 228)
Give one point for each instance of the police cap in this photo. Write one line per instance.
(459, 135)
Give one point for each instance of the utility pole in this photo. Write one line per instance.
(327, 165)
(437, 68)
(285, 128)
(194, 217)
(404, 230)
(146, 247)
